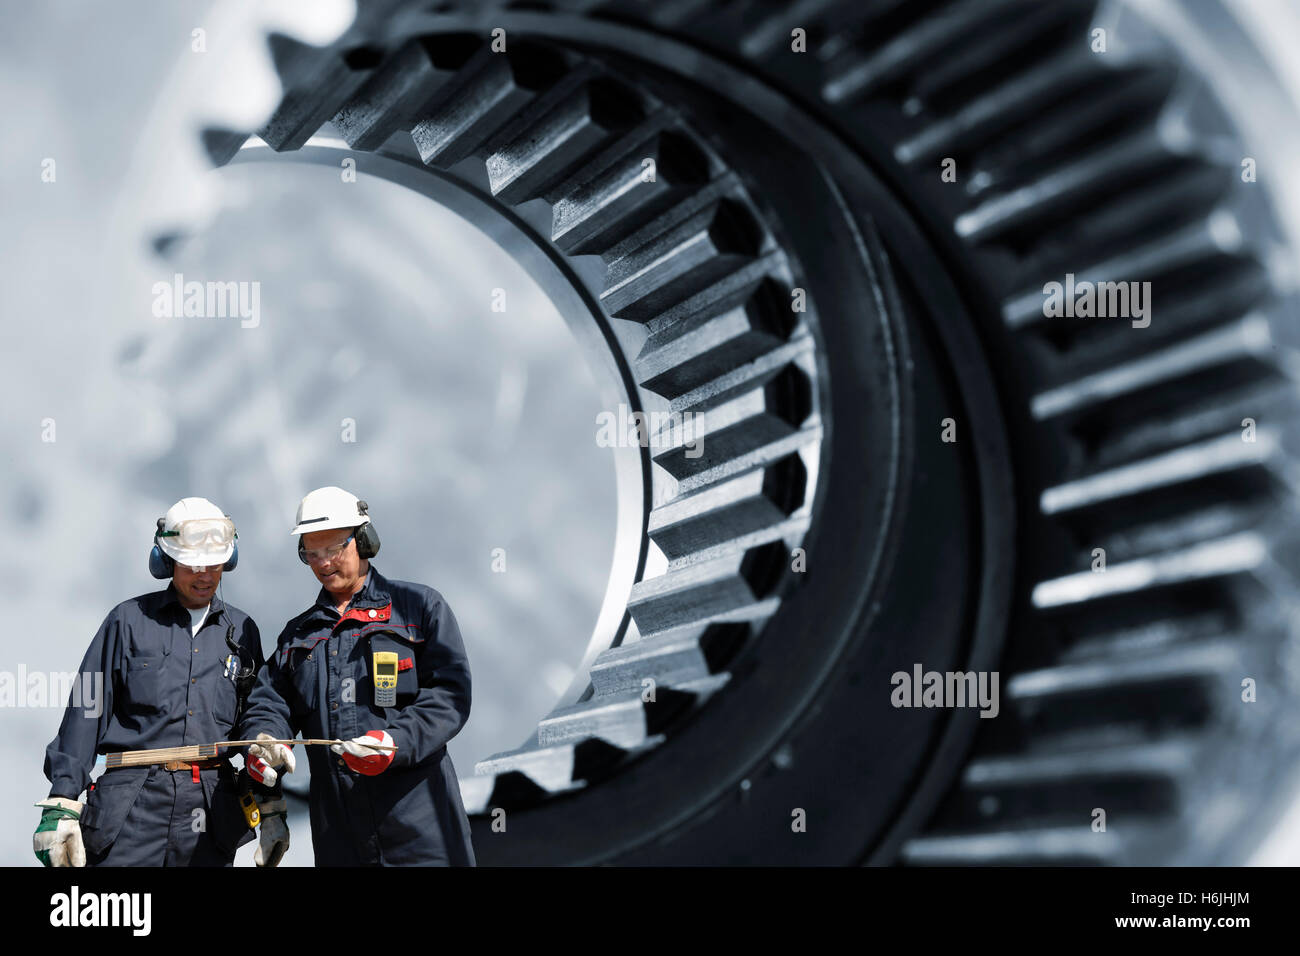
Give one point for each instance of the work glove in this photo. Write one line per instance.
(272, 833)
(262, 759)
(359, 754)
(57, 840)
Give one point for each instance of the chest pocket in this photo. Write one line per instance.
(226, 698)
(302, 662)
(407, 644)
(141, 683)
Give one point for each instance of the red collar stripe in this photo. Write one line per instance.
(366, 614)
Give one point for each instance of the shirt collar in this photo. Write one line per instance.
(172, 596)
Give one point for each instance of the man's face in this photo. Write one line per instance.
(342, 573)
(196, 587)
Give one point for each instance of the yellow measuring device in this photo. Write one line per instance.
(385, 671)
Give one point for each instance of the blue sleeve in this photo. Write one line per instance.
(441, 707)
(71, 755)
(251, 638)
(267, 710)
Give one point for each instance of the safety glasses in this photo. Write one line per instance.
(317, 555)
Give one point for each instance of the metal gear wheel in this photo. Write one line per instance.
(679, 175)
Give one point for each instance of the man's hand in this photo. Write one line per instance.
(57, 840)
(359, 752)
(262, 760)
(273, 833)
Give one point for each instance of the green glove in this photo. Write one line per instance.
(57, 840)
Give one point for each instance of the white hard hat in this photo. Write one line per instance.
(327, 508)
(196, 533)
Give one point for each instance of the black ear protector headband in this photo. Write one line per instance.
(366, 535)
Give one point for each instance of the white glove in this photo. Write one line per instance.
(263, 758)
(57, 840)
(272, 834)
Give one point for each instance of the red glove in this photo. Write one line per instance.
(359, 754)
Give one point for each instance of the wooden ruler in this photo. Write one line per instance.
(195, 752)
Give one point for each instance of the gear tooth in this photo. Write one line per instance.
(681, 260)
(720, 295)
(1247, 341)
(558, 138)
(1180, 466)
(1047, 786)
(739, 587)
(1211, 421)
(490, 90)
(733, 515)
(1216, 558)
(765, 33)
(1040, 132)
(514, 790)
(864, 73)
(733, 431)
(1168, 758)
(476, 793)
(987, 118)
(221, 145)
(786, 364)
(984, 61)
(565, 767)
(676, 657)
(317, 83)
(1197, 243)
(1042, 846)
(704, 345)
(650, 173)
(1122, 219)
(626, 719)
(1066, 189)
(1072, 686)
(551, 769)
(406, 83)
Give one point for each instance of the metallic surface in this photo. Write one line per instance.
(1122, 690)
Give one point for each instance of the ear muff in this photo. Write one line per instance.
(234, 559)
(367, 540)
(160, 566)
(367, 536)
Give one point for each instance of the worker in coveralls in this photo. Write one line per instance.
(371, 662)
(167, 664)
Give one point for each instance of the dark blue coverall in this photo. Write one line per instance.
(318, 682)
(162, 687)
